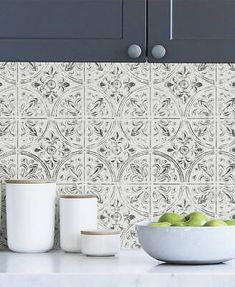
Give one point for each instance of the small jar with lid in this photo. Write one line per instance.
(77, 212)
(100, 242)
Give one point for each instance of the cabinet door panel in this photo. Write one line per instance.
(70, 30)
(60, 19)
(192, 30)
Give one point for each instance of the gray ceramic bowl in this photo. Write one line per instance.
(187, 245)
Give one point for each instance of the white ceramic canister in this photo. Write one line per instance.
(30, 206)
(100, 242)
(77, 212)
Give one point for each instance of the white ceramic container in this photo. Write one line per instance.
(100, 242)
(188, 245)
(77, 212)
(30, 206)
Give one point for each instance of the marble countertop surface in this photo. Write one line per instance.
(132, 268)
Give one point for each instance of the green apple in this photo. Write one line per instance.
(215, 223)
(159, 224)
(170, 217)
(196, 218)
(179, 224)
(230, 222)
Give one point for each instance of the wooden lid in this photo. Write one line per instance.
(77, 196)
(100, 232)
(29, 181)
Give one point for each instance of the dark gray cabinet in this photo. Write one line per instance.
(117, 30)
(191, 30)
(72, 30)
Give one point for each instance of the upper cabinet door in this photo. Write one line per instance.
(191, 30)
(72, 30)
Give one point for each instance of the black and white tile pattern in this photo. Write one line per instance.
(145, 138)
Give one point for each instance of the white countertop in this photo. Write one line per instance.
(129, 269)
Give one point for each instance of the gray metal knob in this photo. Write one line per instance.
(158, 51)
(134, 51)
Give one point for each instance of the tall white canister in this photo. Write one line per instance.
(30, 206)
(77, 212)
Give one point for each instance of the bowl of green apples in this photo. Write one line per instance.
(191, 239)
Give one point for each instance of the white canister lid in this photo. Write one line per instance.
(77, 196)
(100, 232)
(29, 181)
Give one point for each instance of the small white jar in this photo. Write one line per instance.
(100, 242)
(77, 212)
(30, 207)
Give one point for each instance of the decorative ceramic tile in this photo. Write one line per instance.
(164, 198)
(70, 105)
(123, 208)
(98, 105)
(203, 131)
(202, 105)
(136, 105)
(51, 84)
(98, 169)
(136, 131)
(165, 169)
(144, 138)
(205, 71)
(183, 199)
(8, 72)
(202, 170)
(3, 237)
(136, 170)
(118, 86)
(226, 168)
(140, 71)
(32, 105)
(226, 134)
(51, 148)
(8, 166)
(164, 131)
(31, 166)
(164, 105)
(183, 84)
(97, 131)
(31, 131)
(73, 71)
(197, 198)
(71, 169)
(8, 135)
(104, 193)
(226, 103)
(122, 142)
(185, 147)
(95, 71)
(225, 75)
(160, 72)
(28, 71)
(8, 103)
(226, 201)
(74, 188)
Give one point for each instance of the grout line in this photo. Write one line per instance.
(84, 129)
(17, 121)
(216, 114)
(151, 137)
(146, 184)
(119, 118)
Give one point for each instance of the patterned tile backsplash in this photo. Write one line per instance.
(145, 138)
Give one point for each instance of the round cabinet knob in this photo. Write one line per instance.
(134, 51)
(158, 51)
